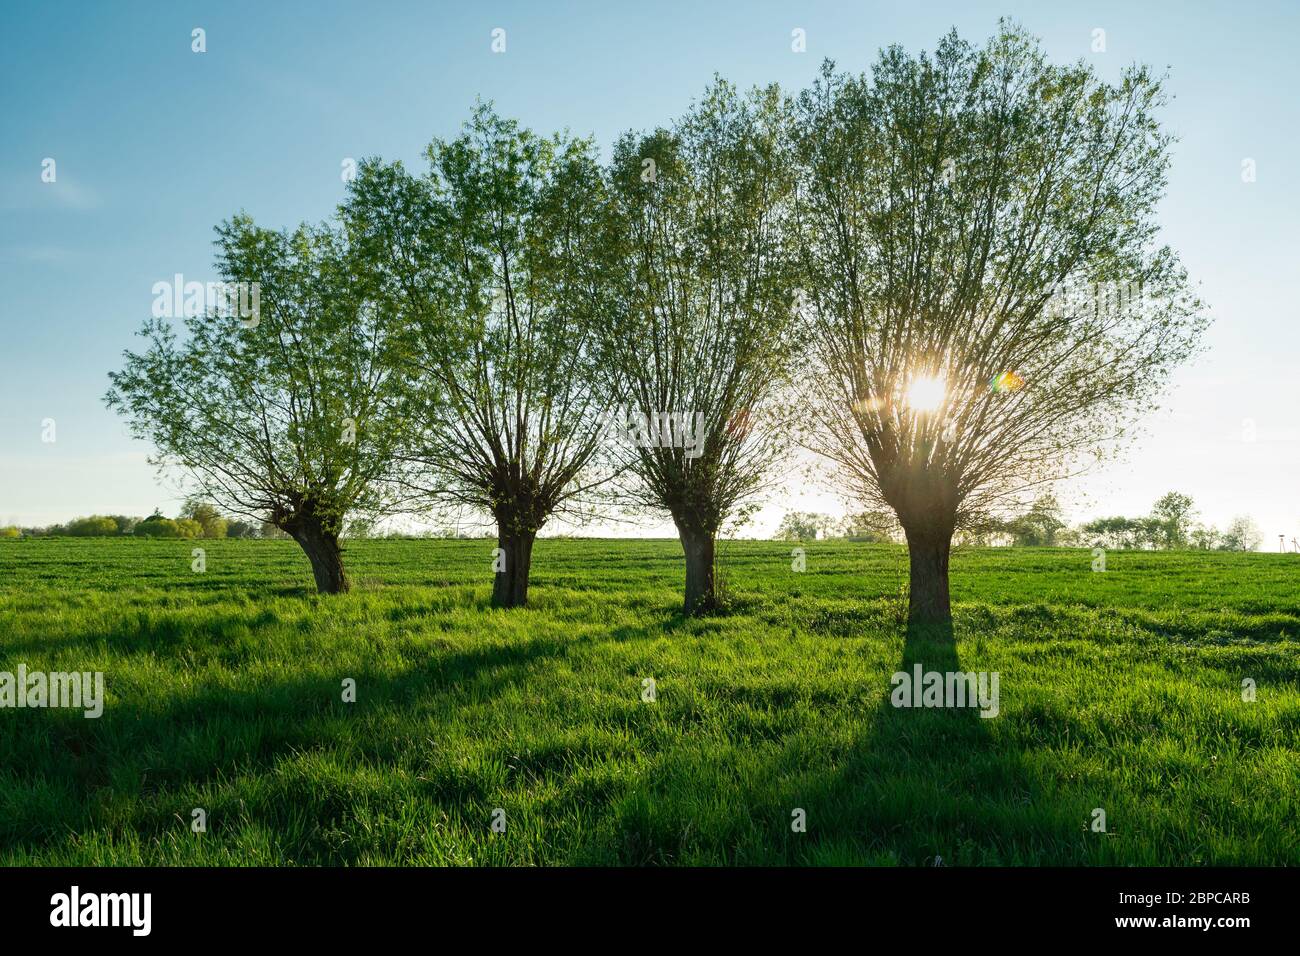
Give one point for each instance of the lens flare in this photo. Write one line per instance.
(869, 405)
(1007, 382)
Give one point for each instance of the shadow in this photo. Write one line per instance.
(634, 633)
(282, 756)
(925, 785)
(915, 786)
(439, 735)
(668, 622)
(196, 631)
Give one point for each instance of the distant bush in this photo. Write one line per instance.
(805, 526)
(211, 523)
(125, 523)
(241, 529)
(10, 532)
(1242, 535)
(156, 526)
(1171, 525)
(189, 528)
(1040, 526)
(95, 526)
(1117, 532)
(873, 527)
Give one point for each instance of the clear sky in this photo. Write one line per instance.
(154, 144)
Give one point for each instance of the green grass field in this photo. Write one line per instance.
(1119, 691)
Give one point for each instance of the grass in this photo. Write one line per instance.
(1119, 691)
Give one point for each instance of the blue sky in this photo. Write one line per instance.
(154, 144)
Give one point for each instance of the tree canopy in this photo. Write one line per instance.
(490, 260)
(292, 415)
(990, 304)
(701, 333)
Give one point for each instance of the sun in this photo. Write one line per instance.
(927, 394)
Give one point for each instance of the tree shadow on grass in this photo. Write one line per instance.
(667, 623)
(155, 633)
(911, 791)
(133, 766)
(918, 786)
(926, 786)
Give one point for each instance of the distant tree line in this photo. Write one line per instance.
(1171, 525)
(870, 526)
(196, 520)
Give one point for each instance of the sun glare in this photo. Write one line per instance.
(927, 394)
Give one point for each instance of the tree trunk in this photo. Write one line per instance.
(510, 586)
(928, 549)
(326, 557)
(700, 594)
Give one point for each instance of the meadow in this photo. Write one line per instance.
(1119, 691)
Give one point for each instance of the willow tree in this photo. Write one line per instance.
(989, 302)
(702, 334)
(491, 261)
(286, 409)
